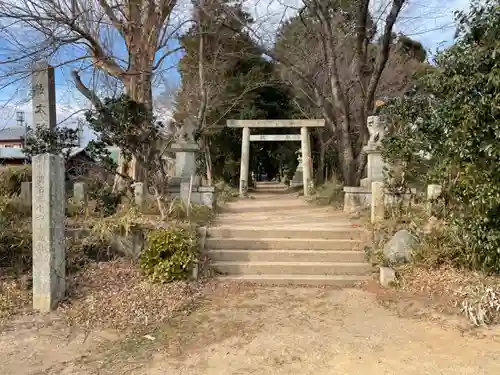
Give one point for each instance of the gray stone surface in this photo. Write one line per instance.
(275, 123)
(140, 194)
(377, 202)
(49, 260)
(375, 166)
(399, 248)
(185, 193)
(376, 128)
(80, 193)
(245, 160)
(387, 276)
(26, 193)
(307, 167)
(356, 198)
(130, 244)
(274, 137)
(44, 95)
(185, 159)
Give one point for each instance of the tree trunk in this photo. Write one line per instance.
(321, 165)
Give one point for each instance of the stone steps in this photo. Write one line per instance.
(292, 268)
(279, 239)
(310, 280)
(286, 256)
(242, 243)
(340, 232)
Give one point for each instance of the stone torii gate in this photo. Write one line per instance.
(303, 137)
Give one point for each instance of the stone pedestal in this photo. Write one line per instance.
(49, 258)
(185, 159)
(375, 165)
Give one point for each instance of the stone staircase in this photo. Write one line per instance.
(275, 237)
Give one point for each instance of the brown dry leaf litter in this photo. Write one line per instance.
(15, 297)
(113, 295)
(445, 286)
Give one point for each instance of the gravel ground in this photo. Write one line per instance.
(263, 330)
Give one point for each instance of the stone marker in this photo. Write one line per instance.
(140, 194)
(43, 88)
(80, 193)
(49, 258)
(387, 276)
(26, 193)
(377, 203)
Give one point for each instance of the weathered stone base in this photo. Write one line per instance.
(358, 198)
(204, 195)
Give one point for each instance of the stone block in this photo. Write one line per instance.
(387, 276)
(356, 198)
(26, 192)
(80, 193)
(49, 258)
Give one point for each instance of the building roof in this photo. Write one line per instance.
(11, 153)
(17, 153)
(12, 134)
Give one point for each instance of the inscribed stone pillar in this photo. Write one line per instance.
(49, 260)
(245, 159)
(44, 95)
(80, 193)
(377, 204)
(306, 160)
(26, 193)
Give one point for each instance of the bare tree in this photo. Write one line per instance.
(334, 24)
(126, 41)
(207, 90)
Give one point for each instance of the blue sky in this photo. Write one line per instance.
(429, 21)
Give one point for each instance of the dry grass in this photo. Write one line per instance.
(471, 294)
(15, 297)
(113, 295)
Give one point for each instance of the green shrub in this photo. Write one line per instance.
(169, 254)
(11, 178)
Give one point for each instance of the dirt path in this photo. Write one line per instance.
(247, 330)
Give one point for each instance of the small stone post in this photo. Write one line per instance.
(140, 194)
(49, 258)
(80, 193)
(377, 204)
(245, 159)
(26, 188)
(433, 191)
